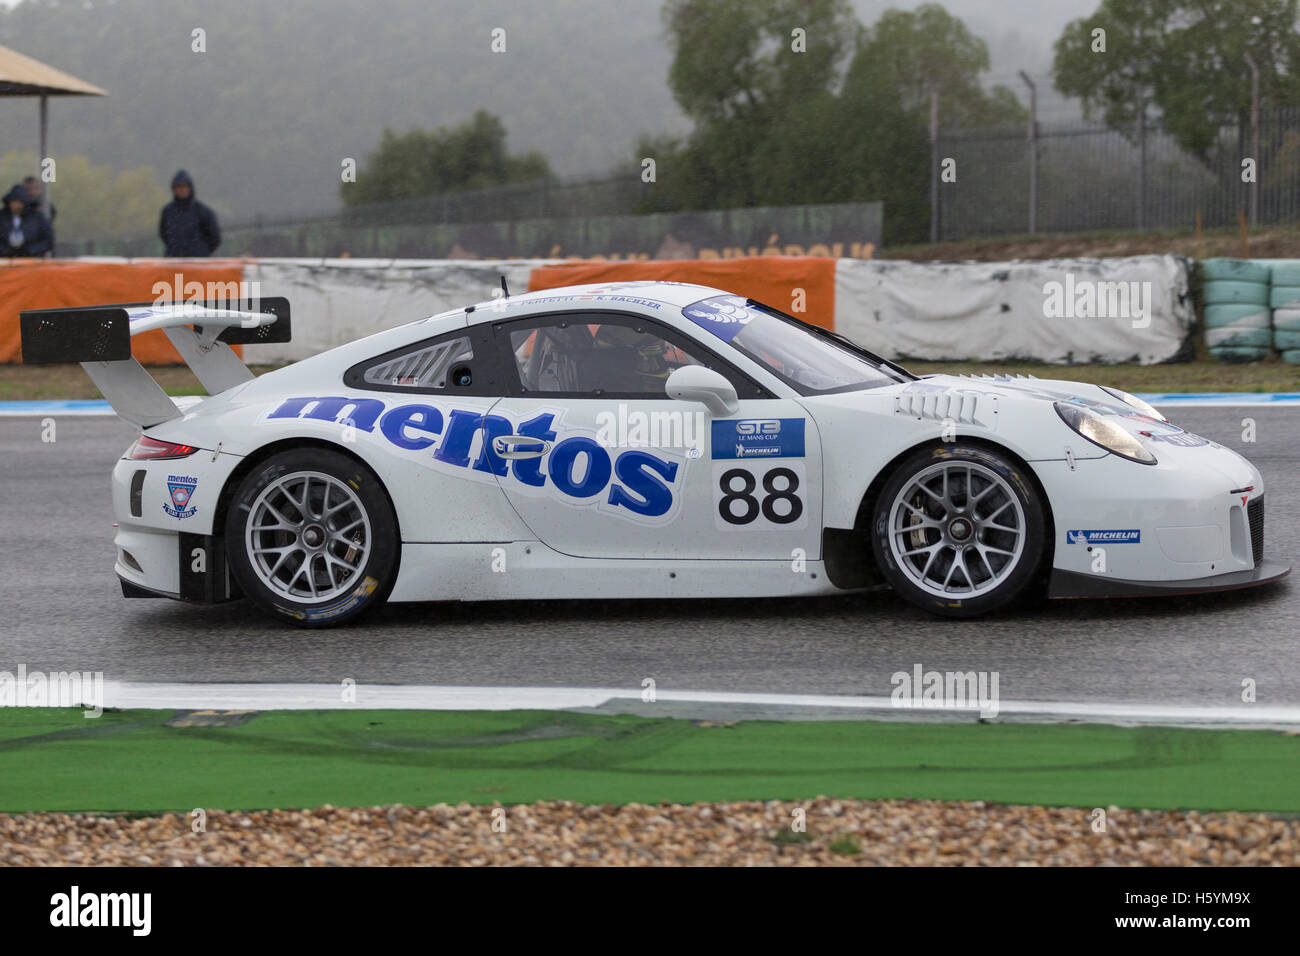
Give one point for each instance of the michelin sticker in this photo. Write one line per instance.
(181, 488)
(1125, 536)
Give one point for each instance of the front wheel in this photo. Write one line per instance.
(311, 537)
(959, 530)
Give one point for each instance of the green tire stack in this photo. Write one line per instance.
(1284, 298)
(1238, 321)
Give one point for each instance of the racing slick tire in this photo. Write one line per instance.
(311, 537)
(959, 530)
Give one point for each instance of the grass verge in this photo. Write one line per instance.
(141, 761)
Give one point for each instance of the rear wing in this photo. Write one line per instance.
(99, 337)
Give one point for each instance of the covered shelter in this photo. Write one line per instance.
(22, 76)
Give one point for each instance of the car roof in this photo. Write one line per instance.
(591, 295)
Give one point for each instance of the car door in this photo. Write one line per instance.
(600, 462)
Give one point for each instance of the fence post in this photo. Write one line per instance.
(934, 163)
(1033, 151)
(1254, 137)
(1142, 159)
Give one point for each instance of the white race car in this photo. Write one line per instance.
(637, 440)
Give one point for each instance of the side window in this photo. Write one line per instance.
(458, 362)
(598, 355)
(435, 366)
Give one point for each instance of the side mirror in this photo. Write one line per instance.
(695, 383)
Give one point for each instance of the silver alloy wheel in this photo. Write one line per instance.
(957, 529)
(308, 536)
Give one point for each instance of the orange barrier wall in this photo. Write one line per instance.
(769, 279)
(54, 283)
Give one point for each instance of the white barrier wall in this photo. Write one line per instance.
(1058, 311)
(1135, 309)
(334, 301)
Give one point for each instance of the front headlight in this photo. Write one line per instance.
(1134, 402)
(1106, 434)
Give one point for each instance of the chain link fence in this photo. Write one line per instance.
(1091, 177)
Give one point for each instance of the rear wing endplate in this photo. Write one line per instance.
(99, 337)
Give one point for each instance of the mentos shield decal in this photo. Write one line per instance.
(181, 489)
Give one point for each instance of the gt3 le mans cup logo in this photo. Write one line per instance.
(181, 488)
(758, 438)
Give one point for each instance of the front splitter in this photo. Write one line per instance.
(1071, 584)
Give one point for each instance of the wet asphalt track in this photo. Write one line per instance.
(63, 611)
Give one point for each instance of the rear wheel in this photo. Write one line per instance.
(312, 538)
(959, 530)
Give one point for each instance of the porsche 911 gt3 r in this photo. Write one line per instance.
(638, 439)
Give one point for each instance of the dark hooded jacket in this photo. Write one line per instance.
(188, 227)
(38, 234)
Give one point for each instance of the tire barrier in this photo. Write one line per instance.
(1236, 355)
(1238, 321)
(1240, 270)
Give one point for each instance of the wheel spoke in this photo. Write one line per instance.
(965, 570)
(1001, 508)
(928, 547)
(925, 571)
(280, 562)
(342, 532)
(925, 522)
(943, 501)
(280, 515)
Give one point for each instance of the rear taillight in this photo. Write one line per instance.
(151, 448)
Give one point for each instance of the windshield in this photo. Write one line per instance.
(811, 360)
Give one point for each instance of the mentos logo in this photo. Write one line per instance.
(578, 467)
(1126, 536)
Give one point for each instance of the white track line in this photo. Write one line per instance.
(404, 697)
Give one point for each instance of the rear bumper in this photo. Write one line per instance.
(1071, 584)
